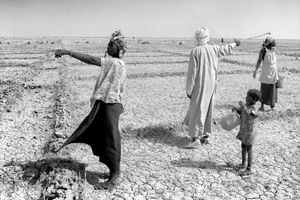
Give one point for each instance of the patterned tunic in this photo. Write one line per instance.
(247, 131)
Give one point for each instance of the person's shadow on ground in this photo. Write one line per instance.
(204, 165)
(60, 172)
(169, 134)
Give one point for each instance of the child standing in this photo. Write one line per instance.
(100, 129)
(247, 130)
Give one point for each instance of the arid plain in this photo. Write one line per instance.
(43, 99)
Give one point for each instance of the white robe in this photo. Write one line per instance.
(201, 85)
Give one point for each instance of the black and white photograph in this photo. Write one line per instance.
(150, 100)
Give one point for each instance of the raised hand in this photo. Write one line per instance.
(242, 104)
(60, 52)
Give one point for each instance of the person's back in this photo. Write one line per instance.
(201, 85)
(206, 59)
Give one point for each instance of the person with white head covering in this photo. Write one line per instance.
(269, 73)
(202, 36)
(201, 85)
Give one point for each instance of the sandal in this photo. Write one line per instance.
(204, 139)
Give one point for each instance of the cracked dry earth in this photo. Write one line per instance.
(44, 101)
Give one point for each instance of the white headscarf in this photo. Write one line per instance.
(268, 41)
(202, 36)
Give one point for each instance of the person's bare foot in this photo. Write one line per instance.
(240, 166)
(272, 108)
(246, 172)
(110, 183)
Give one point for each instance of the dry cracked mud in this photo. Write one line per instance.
(36, 103)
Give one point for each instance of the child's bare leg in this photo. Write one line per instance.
(244, 151)
(248, 171)
(250, 156)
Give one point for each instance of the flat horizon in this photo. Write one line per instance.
(130, 37)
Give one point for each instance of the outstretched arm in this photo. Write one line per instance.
(237, 109)
(88, 59)
(226, 49)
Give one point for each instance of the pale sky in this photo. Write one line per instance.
(149, 18)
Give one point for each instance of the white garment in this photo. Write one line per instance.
(201, 85)
(111, 81)
(269, 72)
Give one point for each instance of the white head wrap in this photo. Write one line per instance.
(202, 36)
(268, 41)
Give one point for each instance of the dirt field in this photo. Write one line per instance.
(43, 99)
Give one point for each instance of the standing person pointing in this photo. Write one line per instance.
(201, 85)
(100, 129)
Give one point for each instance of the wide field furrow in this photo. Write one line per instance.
(26, 123)
(43, 100)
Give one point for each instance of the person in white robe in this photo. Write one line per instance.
(201, 86)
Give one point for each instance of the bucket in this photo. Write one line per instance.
(230, 121)
(280, 82)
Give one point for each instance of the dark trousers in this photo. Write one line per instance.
(100, 130)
